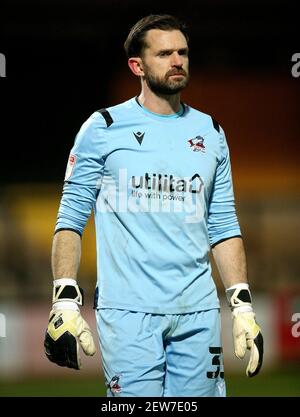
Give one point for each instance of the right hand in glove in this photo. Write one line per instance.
(67, 329)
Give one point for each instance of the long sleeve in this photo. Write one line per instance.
(222, 219)
(83, 175)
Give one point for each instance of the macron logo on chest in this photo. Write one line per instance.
(139, 136)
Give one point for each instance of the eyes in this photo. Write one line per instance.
(168, 52)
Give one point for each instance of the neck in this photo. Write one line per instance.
(161, 104)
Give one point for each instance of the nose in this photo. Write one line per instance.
(177, 60)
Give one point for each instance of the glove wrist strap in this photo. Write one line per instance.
(239, 297)
(64, 281)
(67, 290)
(242, 309)
(65, 305)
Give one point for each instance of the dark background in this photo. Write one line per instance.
(62, 55)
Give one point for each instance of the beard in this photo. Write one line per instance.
(166, 85)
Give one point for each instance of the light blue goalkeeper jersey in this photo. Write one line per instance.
(161, 190)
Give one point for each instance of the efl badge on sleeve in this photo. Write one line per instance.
(70, 166)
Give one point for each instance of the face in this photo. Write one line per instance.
(165, 61)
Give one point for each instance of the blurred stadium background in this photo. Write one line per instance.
(64, 61)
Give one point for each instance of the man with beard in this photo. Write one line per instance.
(157, 174)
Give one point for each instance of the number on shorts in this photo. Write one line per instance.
(216, 351)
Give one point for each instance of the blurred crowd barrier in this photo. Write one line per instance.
(22, 351)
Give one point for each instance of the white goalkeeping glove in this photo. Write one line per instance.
(67, 329)
(246, 332)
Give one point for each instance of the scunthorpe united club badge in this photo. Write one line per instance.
(197, 144)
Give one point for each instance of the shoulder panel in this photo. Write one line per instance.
(107, 117)
(216, 125)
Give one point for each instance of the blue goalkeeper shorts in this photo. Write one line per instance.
(153, 355)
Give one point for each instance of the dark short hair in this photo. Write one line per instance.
(135, 42)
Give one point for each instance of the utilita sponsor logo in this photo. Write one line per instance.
(167, 183)
(152, 193)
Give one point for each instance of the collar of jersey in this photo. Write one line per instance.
(161, 116)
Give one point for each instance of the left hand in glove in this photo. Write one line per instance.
(245, 330)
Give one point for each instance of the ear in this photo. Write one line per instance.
(136, 66)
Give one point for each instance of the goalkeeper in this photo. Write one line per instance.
(156, 172)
